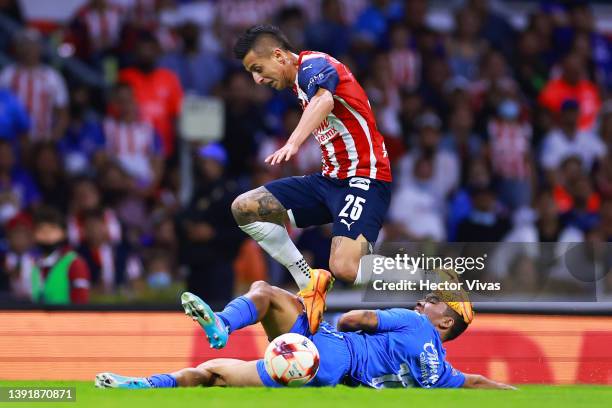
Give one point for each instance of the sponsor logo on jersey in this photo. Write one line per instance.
(430, 364)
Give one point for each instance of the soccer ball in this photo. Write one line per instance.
(291, 359)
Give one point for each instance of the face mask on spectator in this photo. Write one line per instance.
(48, 249)
(509, 109)
(159, 280)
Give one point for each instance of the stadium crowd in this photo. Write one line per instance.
(495, 132)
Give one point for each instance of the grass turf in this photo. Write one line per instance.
(526, 396)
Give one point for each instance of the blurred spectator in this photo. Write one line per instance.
(48, 173)
(19, 258)
(96, 29)
(436, 74)
(160, 270)
(581, 215)
(416, 211)
(14, 120)
(84, 137)
(113, 266)
(477, 175)
(384, 95)
(209, 240)
(60, 276)
(329, 34)
(243, 124)
(120, 193)
(445, 176)
(509, 144)
(405, 63)
(373, 22)
(12, 9)
(157, 90)
(464, 47)
(132, 142)
(191, 59)
(567, 140)
(572, 84)
(461, 137)
(570, 171)
(292, 22)
(38, 86)
(493, 27)
(485, 223)
(530, 64)
(84, 197)
(17, 190)
(581, 29)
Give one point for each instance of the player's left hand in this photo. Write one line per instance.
(282, 154)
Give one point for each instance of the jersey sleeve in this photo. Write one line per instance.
(393, 319)
(317, 73)
(451, 378)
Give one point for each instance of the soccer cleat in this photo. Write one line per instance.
(110, 380)
(213, 326)
(313, 295)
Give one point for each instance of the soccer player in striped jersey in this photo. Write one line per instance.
(352, 191)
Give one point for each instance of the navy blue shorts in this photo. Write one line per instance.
(334, 355)
(357, 205)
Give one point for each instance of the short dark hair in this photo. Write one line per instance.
(49, 215)
(247, 40)
(458, 326)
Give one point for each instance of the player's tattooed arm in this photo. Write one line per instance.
(365, 320)
(480, 381)
(258, 205)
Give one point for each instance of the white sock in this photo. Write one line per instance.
(274, 239)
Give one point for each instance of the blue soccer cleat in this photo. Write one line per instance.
(199, 311)
(110, 380)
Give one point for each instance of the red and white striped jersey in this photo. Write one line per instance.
(133, 145)
(40, 89)
(509, 147)
(103, 26)
(351, 144)
(405, 68)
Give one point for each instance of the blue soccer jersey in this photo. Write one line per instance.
(405, 351)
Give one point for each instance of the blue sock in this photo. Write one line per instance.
(239, 313)
(162, 381)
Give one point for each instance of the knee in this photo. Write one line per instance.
(344, 268)
(241, 208)
(261, 289)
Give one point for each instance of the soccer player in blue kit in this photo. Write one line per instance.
(376, 348)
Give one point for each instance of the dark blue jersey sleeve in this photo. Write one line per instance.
(317, 73)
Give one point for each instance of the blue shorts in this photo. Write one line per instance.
(357, 205)
(334, 355)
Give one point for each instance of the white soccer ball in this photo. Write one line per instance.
(291, 359)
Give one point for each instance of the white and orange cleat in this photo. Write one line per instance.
(313, 295)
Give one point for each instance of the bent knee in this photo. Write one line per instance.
(241, 207)
(261, 287)
(344, 268)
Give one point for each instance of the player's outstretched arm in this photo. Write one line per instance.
(480, 381)
(321, 105)
(355, 320)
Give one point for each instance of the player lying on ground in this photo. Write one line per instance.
(352, 192)
(382, 348)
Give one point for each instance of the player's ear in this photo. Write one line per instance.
(446, 322)
(279, 56)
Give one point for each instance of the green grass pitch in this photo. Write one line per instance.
(526, 396)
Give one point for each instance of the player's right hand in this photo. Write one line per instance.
(282, 154)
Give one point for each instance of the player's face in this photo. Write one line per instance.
(271, 69)
(433, 308)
